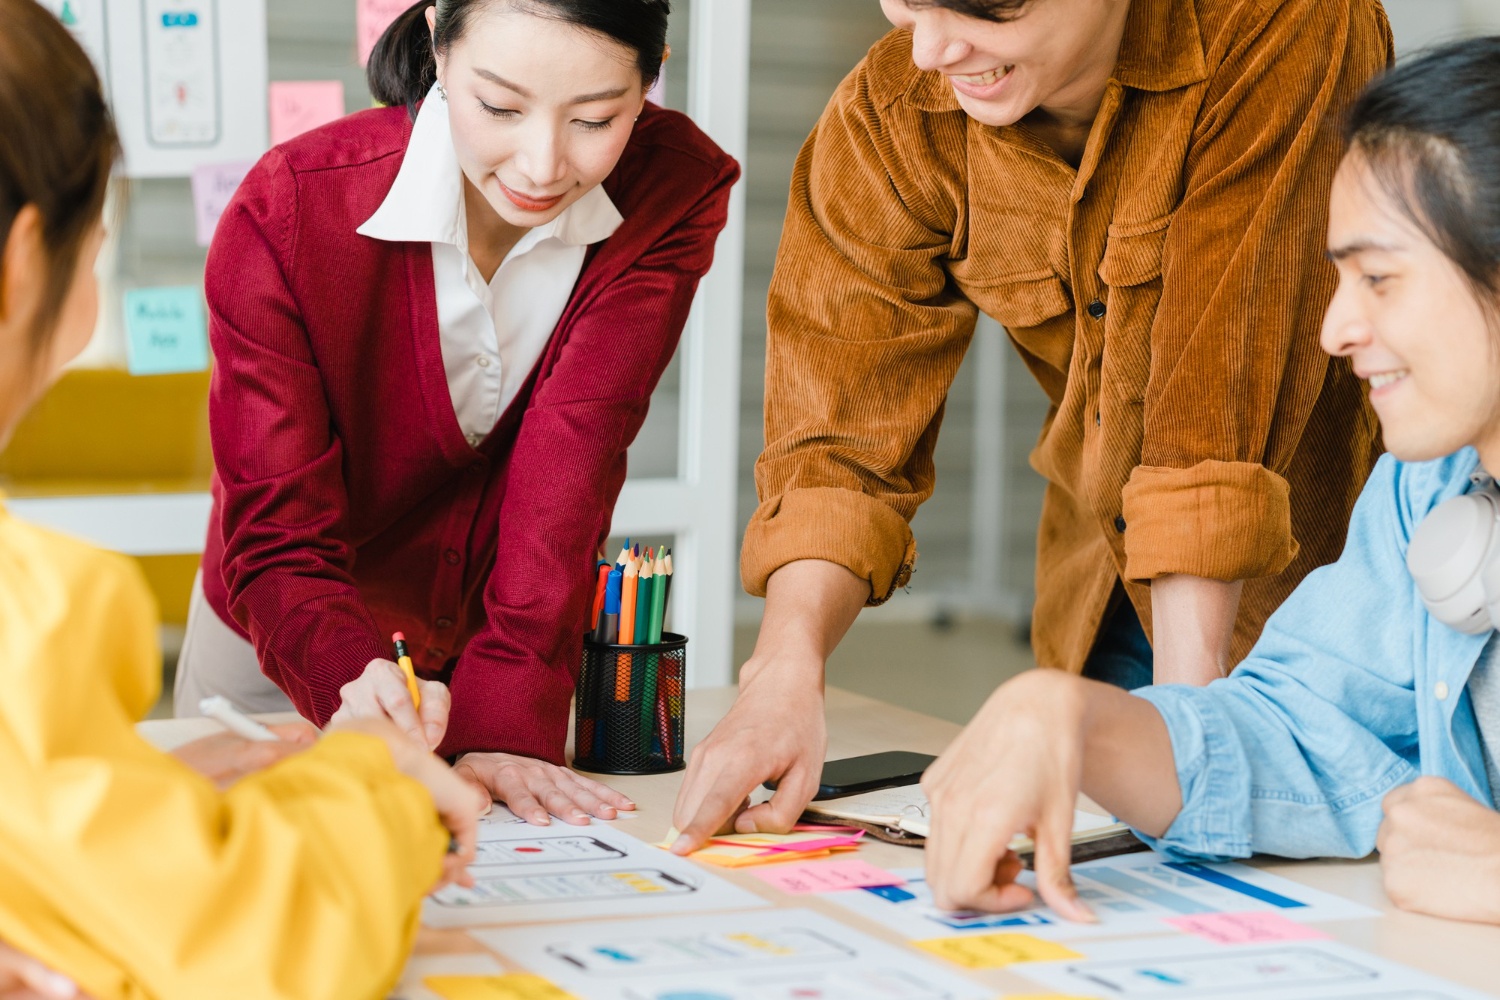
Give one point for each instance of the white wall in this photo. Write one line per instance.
(1418, 23)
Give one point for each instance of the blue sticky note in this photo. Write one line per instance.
(165, 330)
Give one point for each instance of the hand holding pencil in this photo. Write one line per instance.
(391, 690)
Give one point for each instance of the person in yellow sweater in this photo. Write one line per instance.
(229, 870)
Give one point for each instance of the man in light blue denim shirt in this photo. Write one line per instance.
(1359, 720)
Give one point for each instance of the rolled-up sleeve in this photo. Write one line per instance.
(865, 333)
(1236, 367)
(1293, 753)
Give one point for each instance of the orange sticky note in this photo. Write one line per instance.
(299, 106)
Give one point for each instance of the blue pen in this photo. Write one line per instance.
(609, 622)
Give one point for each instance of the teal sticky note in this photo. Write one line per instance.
(165, 330)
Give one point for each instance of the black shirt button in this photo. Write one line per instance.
(1119, 526)
(1097, 309)
(452, 558)
(448, 622)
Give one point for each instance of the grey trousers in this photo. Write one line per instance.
(216, 660)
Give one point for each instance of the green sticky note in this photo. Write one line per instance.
(165, 330)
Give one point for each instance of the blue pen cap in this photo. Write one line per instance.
(612, 591)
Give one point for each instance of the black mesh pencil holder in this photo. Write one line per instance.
(630, 707)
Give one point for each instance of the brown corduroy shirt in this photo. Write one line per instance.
(1167, 294)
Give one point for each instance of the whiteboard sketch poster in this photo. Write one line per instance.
(186, 78)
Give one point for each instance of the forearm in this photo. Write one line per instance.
(810, 605)
(1192, 626)
(1128, 766)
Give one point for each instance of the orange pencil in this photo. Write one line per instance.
(627, 628)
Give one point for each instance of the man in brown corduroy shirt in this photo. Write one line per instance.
(1138, 191)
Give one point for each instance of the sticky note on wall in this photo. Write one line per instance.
(165, 330)
(213, 185)
(371, 18)
(298, 106)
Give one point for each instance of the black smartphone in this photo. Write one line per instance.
(864, 774)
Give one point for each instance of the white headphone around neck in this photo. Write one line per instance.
(1454, 557)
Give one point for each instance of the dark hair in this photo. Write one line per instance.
(59, 149)
(402, 68)
(998, 11)
(1430, 132)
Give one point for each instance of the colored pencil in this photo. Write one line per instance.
(599, 586)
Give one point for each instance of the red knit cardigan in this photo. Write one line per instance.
(347, 502)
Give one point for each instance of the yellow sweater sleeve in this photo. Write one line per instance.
(131, 873)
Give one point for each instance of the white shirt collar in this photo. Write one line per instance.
(425, 202)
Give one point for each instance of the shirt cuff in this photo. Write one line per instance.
(1212, 773)
(1220, 520)
(841, 526)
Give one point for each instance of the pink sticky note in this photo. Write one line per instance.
(821, 844)
(300, 105)
(213, 185)
(1254, 927)
(826, 876)
(371, 18)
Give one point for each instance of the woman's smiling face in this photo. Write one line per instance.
(1413, 325)
(540, 109)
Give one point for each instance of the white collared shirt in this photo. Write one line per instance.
(492, 334)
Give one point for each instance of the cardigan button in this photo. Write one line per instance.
(445, 623)
(1120, 524)
(477, 469)
(452, 558)
(436, 651)
(1097, 309)
(1440, 692)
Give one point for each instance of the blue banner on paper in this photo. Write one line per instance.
(165, 330)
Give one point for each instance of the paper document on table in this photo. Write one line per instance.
(1131, 894)
(778, 955)
(1171, 968)
(906, 808)
(524, 874)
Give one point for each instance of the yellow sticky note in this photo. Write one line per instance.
(511, 986)
(995, 951)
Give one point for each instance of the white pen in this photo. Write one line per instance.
(219, 709)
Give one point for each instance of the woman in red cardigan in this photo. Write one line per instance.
(436, 328)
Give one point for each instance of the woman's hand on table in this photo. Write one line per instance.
(1015, 769)
(24, 978)
(535, 790)
(381, 693)
(225, 758)
(1440, 852)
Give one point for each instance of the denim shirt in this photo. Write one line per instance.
(1352, 690)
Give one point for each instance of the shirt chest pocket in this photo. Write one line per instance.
(1132, 254)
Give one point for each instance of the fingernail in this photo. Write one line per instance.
(681, 845)
(434, 734)
(61, 986)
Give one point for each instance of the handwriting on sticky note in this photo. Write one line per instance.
(165, 330)
(511, 986)
(371, 18)
(995, 951)
(1246, 928)
(826, 876)
(213, 185)
(298, 106)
